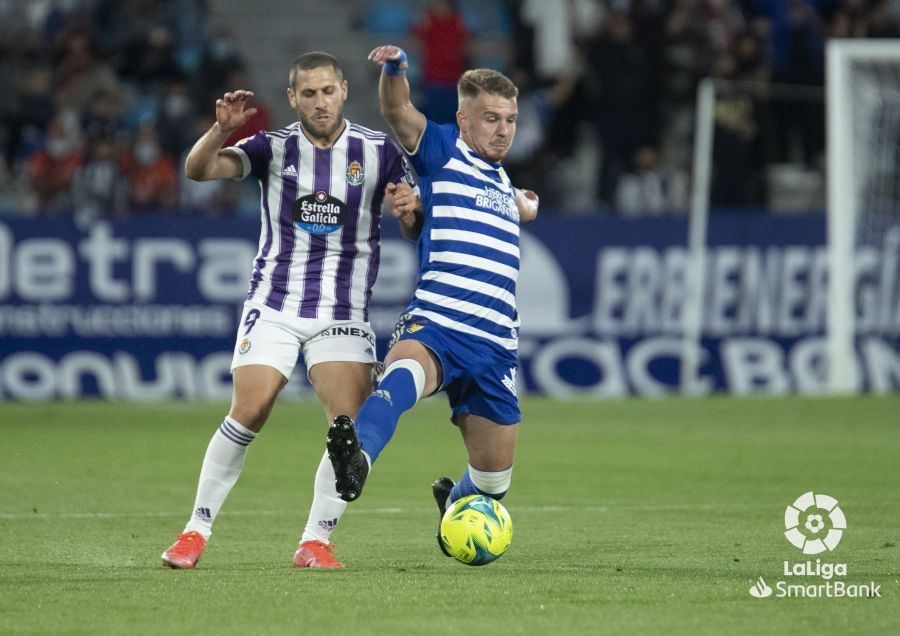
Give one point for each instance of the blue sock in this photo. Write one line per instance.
(466, 487)
(377, 419)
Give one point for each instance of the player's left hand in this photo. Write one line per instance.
(527, 201)
(388, 53)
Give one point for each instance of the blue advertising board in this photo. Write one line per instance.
(148, 308)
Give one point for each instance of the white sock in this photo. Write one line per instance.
(327, 507)
(221, 468)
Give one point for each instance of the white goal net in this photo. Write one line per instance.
(863, 109)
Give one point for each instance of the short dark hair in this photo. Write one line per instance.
(474, 82)
(316, 59)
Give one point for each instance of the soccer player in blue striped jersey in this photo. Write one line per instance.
(322, 182)
(460, 332)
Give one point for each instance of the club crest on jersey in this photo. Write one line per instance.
(319, 213)
(355, 173)
(245, 346)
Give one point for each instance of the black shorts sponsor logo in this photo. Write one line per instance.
(349, 331)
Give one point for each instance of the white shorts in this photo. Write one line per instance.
(275, 339)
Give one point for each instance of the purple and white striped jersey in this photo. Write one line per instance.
(321, 209)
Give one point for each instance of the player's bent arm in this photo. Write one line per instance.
(207, 161)
(406, 207)
(411, 224)
(404, 118)
(527, 202)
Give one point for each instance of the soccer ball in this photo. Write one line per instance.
(476, 530)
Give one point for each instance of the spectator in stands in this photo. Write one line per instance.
(649, 189)
(103, 117)
(559, 26)
(621, 84)
(444, 41)
(686, 54)
(99, 188)
(81, 75)
(220, 58)
(261, 120)
(531, 161)
(153, 176)
(176, 119)
(52, 168)
(151, 58)
(882, 23)
(29, 107)
(219, 197)
(737, 177)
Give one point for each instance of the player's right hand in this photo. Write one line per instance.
(230, 113)
(401, 198)
(387, 53)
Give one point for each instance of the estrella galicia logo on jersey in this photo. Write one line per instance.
(245, 346)
(355, 173)
(319, 213)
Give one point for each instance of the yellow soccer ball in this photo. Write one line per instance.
(476, 530)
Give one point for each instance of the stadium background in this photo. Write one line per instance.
(120, 280)
(116, 272)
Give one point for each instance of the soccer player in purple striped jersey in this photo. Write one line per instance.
(460, 331)
(322, 182)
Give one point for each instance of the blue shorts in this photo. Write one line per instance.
(478, 376)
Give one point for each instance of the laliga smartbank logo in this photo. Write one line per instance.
(814, 524)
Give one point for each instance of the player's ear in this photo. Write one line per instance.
(292, 97)
(345, 88)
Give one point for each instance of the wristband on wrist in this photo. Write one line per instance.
(392, 67)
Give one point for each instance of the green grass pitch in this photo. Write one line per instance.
(630, 517)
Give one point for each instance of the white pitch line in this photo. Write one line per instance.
(16, 516)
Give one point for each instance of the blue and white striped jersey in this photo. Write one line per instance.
(469, 246)
(321, 208)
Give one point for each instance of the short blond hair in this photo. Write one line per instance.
(485, 80)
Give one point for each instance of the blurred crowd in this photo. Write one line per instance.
(625, 72)
(106, 96)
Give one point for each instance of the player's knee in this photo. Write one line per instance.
(251, 413)
(494, 483)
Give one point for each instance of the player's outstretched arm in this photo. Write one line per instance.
(405, 119)
(406, 207)
(527, 202)
(207, 160)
